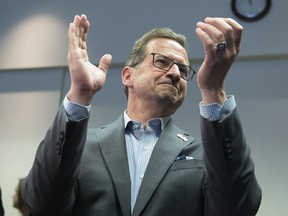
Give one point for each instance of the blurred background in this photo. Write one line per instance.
(34, 77)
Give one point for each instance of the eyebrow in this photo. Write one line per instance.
(175, 60)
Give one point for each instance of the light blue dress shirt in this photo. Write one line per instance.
(141, 141)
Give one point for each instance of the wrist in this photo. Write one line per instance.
(210, 96)
(79, 98)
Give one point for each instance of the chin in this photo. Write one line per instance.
(171, 101)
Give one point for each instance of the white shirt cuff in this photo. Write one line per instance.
(76, 112)
(216, 111)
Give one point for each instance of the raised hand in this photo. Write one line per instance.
(218, 59)
(86, 78)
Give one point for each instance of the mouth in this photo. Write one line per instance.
(168, 83)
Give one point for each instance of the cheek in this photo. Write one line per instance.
(183, 87)
(143, 79)
(142, 83)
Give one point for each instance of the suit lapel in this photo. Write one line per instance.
(112, 145)
(168, 147)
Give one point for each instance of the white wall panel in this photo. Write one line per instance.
(35, 36)
(28, 103)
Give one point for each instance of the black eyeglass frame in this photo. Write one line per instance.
(191, 71)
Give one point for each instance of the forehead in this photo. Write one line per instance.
(168, 47)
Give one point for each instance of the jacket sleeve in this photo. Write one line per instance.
(230, 186)
(49, 187)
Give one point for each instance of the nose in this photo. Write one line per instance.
(174, 72)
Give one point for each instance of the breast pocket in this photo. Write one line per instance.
(183, 185)
(186, 164)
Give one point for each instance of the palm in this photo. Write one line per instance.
(84, 74)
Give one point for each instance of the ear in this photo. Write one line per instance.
(127, 76)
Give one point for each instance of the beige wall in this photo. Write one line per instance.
(33, 45)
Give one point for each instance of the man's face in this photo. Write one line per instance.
(165, 87)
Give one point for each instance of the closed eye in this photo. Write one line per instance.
(183, 69)
(162, 62)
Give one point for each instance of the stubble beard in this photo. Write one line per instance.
(169, 101)
(165, 99)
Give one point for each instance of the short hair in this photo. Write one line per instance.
(138, 53)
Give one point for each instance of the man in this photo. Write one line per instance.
(142, 164)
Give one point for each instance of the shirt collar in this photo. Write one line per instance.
(163, 120)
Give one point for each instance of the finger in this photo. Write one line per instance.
(76, 23)
(213, 31)
(105, 62)
(206, 40)
(71, 37)
(219, 23)
(83, 25)
(230, 29)
(84, 33)
(72, 33)
(77, 33)
(237, 30)
(222, 30)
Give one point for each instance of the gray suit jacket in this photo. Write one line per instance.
(85, 172)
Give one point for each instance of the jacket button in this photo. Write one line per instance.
(227, 147)
(59, 143)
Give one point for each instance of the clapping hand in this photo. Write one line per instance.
(86, 78)
(220, 38)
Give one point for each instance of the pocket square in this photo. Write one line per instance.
(184, 157)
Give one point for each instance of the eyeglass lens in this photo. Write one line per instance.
(165, 63)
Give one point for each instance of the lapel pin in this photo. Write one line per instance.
(182, 137)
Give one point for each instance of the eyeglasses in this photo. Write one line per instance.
(165, 63)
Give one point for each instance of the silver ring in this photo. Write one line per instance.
(221, 46)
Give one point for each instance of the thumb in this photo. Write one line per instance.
(105, 62)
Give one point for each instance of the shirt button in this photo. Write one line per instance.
(141, 176)
(145, 147)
